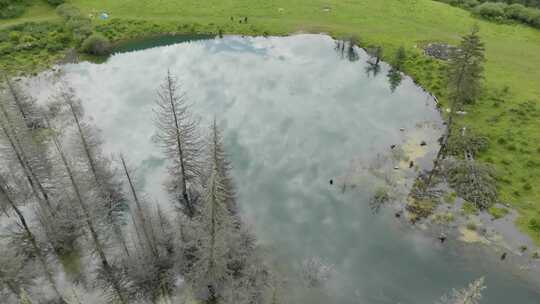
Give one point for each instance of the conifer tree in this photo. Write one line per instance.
(178, 136)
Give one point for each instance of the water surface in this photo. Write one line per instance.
(296, 114)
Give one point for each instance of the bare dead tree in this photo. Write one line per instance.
(215, 236)
(139, 211)
(177, 135)
(24, 104)
(101, 176)
(98, 244)
(5, 194)
(220, 158)
(11, 133)
(151, 274)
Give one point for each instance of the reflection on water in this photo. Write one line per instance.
(295, 117)
(394, 79)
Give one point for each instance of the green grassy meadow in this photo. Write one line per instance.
(508, 113)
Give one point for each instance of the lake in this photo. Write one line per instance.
(298, 113)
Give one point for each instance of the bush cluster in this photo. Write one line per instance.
(96, 44)
(11, 8)
(527, 12)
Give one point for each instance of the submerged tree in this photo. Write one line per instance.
(219, 157)
(30, 155)
(88, 144)
(140, 213)
(5, 195)
(216, 227)
(90, 221)
(26, 105)
(178, 136)
(150, 272)
(469, 295)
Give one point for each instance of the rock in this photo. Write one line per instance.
(442, 238)
(402, 129)
(411, 164)
(440, 51)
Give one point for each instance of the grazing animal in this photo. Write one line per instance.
(411, 164)
(423, 143)
(503, 256)
(392, 146)
(331, 182)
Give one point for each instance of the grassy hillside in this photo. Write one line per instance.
(508, 114)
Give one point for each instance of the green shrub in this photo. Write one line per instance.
(469, 208)
(470, 142)
(421, 208)
(96, 44)
(535, 20)
(56, 2)
(497, 212)
(473, 181)
(379, 199)
(472, 226)
(68, 11)
(491, 10)
(534, 224)
(12, 8)
(14, 37)
(517, 11)
(81, 28)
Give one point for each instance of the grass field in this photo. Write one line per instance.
(508, 114)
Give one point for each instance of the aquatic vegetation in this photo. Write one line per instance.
(469, 208)
(315, 272)
(379, 199)
(472, 294)
(498, 212)
(420, 209)
(472, 181)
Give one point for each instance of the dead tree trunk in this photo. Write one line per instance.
(93, 168)
(89, 222)
(16, 98)
(191, 209)
(140, 211)
(39, 254)
(37, 188)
